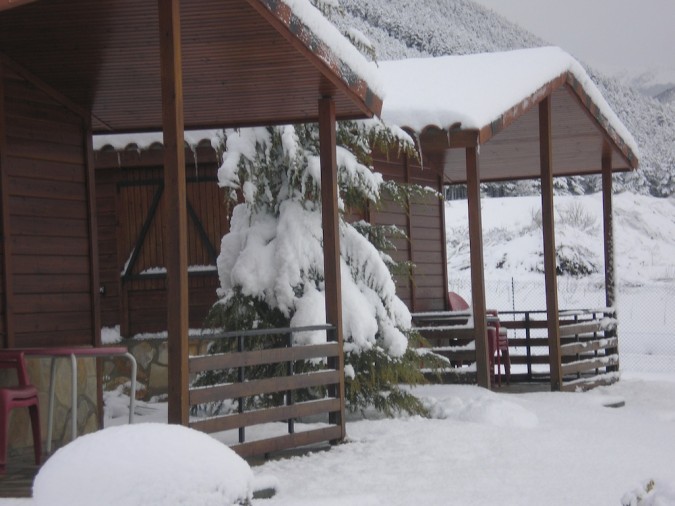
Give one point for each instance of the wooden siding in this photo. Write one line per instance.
(128, 185)
(46, 176)
(423, 225)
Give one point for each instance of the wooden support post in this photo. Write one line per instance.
(93, 236)
(548, 224)
(8, 285)
(608, 227)
(331, 244)
(483, 372)
(175, 198)
(444, 242)
(408, 231)
(608, 232)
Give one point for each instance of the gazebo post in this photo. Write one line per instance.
(331, 245)
(608, 233)
(548, 225)
(175, 233)
(483, 372)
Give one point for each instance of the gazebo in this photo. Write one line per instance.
(72, 68)
(532, 113)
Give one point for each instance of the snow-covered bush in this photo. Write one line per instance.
(271, 262)
(151, 464)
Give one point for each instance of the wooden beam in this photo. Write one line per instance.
(93, 234)
(608, 233)
(483, 372)
(8, 268)
(331, 244)
(548, 224)
(444, 241)
(408, 223)
(175, 198)
(608, 225)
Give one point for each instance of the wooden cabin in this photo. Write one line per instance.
(73, 68)
(525, 114)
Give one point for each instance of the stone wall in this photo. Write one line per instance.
(20, 435)
(152, 357)
(152, 380)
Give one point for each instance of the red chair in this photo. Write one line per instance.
(21, 396)
(498, 342)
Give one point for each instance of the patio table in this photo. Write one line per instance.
(73, 352)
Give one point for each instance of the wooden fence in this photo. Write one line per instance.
(589, 345)
(271, 394)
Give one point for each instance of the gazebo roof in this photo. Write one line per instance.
(461, 101)
(244, 62)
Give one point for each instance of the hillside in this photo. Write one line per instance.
(644, 238)
(401, 29)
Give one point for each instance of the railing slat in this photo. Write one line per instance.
(288, 441)
(589, 346)
(276, 414)
(589, 364)
(574, 329)
(260, 357)
(263, 386)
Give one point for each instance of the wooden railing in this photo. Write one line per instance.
(589, 346)
(261, 381)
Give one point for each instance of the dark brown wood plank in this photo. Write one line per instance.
(548, 224)
(572, 329)
(331, 245)
(590, 364)
(259, 357)
(477, 275)
(295, 440)
(7, 302)
(34, 264)
(174, 207)
(268, 415)
(264, 386)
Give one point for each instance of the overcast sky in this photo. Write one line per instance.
(611, 35)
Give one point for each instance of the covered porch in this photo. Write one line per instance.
(527, 114)
(73, 68)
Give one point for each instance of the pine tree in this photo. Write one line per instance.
(271, 262)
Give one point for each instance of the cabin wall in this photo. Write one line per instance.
(45, 172)
(46, 267)
(129, 187)
(423, 223)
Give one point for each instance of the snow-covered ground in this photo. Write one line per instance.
(486, 448)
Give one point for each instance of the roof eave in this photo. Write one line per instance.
(333, 68)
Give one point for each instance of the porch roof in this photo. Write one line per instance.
(244, 62)
(462, 101)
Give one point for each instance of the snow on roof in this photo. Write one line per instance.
(477, 89)
(144, 140)
(342, 49)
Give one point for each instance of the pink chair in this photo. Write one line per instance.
(498, 342)
(24, 395)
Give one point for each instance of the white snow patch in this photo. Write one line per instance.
(144, 465)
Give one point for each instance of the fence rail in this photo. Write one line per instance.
(589, 346)
(259, 380)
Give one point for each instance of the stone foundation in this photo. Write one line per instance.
(153, 360)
